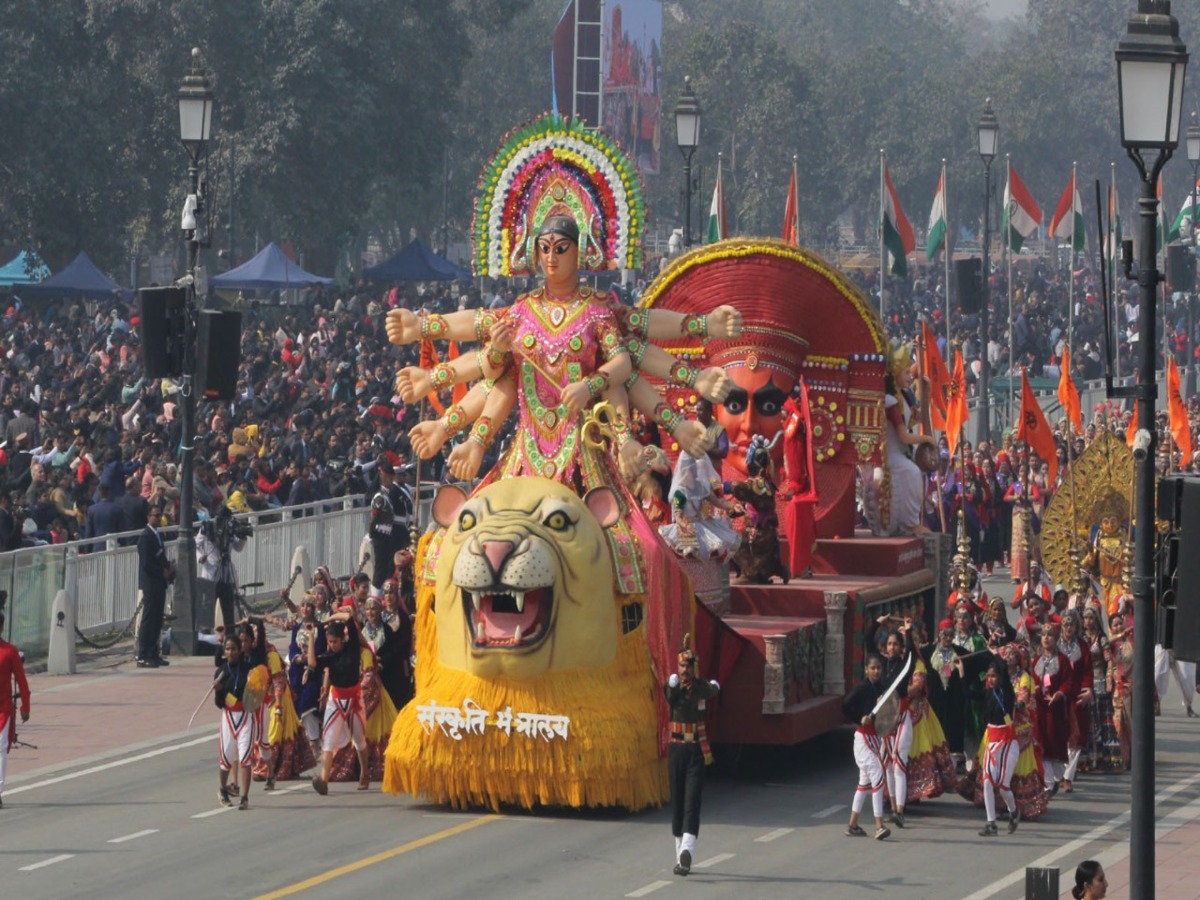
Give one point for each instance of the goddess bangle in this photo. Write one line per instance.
(636, 350)
(433, 327)
(496, 357)
(683, 374)
(441, 375)
(695, 325)
(483, 433)
(667, 417)
(454, 421)
(596, 384)
(632, 380)
(638, 321)
(484, 321)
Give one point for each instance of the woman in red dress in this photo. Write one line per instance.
(1052, 674)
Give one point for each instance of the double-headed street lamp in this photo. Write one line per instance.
(1151, 65)
(989, 137)
(687, 137)
(1193, 154)
(195, 127)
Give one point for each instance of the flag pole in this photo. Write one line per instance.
(796, 181)
(1008, 266)
(882, 251)
(1071, 270)
(946, 244)
(1113, 250)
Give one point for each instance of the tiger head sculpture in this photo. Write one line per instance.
(526, 569)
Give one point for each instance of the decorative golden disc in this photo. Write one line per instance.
(1101, 478)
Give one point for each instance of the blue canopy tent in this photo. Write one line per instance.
(270, 270)
(416, 262)
(24, 268)
(80, 280)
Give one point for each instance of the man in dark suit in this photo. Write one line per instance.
(135, 509)
(155, 573)
(103, 517)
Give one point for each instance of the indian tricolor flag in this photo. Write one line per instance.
(897, 232)
(937, 220)
(1067, 224)
(1183, 221)
(716, 212)
(1022, 215)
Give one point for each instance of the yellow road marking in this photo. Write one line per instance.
(378, 858)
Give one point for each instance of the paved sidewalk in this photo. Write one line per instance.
(107, 707)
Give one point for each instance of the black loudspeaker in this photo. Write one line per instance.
(163, 313)
(968, 283)
(1169, 504)
(218, 352)
(1181, 268)
(1186, 636)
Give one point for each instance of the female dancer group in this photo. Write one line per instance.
(1028, 708)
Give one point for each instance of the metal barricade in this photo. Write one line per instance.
(101, 576)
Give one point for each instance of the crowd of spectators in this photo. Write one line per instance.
(91, 446)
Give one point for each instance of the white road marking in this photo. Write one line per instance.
(773, 835)
(213, 812)
(117, 763)
(828, 811)
(1172, 820)
(47, 862)
(648, 889)
(134, 836)
(713, 860)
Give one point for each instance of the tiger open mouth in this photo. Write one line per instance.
(507, 618)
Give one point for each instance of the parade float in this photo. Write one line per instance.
(548, 607)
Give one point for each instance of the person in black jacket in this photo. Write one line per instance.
(155, 573)
(688, 753)
(858, 708)
(1000, 758)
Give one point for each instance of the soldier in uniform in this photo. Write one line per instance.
(688, 753)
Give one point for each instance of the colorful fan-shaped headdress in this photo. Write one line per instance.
(556, 166)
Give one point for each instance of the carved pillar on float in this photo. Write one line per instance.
(835, 643)
(774, 698)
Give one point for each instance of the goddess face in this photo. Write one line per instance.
(1109, 525)
(754, 406)
(558, 256)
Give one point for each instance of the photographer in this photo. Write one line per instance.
(215, 541)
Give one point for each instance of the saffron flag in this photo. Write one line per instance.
(716, 212)
(1114, 225)
(791, 215)
(1068, 394)
(1131, 428)
(935, 370)
(1034, 430)
(1022, 215)
(937, 220)
(897, 232)
(1181, 431)
(956, 404)
(1067, 222)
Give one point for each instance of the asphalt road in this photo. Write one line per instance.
(145, 823)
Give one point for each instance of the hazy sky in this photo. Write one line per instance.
(1001, 9)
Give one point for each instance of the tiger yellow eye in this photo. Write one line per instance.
(466, 521)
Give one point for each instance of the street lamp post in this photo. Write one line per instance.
(989, 135)
(195, 126)
(1193, 154)
(687, 137)
(1151, 65)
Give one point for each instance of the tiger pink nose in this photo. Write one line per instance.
(497, 552)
